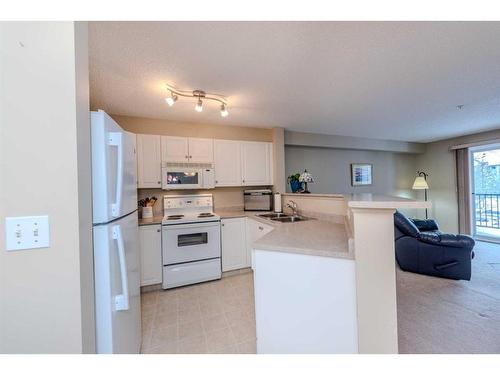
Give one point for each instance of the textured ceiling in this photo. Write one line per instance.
(388, 80)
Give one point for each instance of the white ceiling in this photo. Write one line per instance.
(387, 80)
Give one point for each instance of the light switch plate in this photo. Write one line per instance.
(26, 232)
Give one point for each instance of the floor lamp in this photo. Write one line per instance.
(420, 183)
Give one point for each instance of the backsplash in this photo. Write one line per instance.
(223, 197)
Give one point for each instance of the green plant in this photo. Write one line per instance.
(293, 177)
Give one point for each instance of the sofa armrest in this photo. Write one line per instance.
(425, 225)
(448, 240)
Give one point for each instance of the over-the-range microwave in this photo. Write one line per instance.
(184, 176)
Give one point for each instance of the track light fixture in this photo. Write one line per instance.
(199, 95)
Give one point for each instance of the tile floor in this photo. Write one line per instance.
(213, 317)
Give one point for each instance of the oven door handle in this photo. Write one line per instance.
(204, 224)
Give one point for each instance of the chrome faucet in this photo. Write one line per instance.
(291, 204)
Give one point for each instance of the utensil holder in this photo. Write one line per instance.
(147, 212)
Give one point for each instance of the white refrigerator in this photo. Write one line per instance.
(115, 235)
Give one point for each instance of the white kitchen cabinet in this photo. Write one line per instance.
(234, 247)
(150, 251)
(255, 230)
(148, 161)
(187, 150)
(174, 149)
(227, 159)
(201, 150)
(256, 163)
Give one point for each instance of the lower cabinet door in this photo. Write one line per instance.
(234, 249)
(255, 230)
(150, 250)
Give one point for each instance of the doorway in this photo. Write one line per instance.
(485, 188)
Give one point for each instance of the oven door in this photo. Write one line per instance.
(190, 242)
(181, 178)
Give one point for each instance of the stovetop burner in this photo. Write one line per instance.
(206, 214)
(175, 217)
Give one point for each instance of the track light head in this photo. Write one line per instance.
(223, 111)
(171, 99)
(199, 106)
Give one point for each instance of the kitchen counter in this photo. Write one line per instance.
(365, 200)
(310, 237)
(151, 221)
(313, 195)
(232, 212)
(382, 201)
(224, 213)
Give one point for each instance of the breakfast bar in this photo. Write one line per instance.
(335, 289)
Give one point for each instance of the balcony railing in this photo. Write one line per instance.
(487, 210)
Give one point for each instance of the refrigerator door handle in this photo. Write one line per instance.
(121, 300)
(115, 139)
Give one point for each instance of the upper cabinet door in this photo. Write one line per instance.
(227, 160)
(256, 162)
(148, 161)
(201, 150)
(174, 149)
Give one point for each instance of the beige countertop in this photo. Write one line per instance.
(232, 212)
(311, 237)
(313, 195)
(369, 200)
(151, 221)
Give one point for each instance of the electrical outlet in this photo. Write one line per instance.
(26, 232)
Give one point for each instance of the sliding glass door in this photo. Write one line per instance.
(485, 187)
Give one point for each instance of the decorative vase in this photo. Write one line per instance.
(295, 185)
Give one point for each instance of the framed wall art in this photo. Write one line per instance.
(361, 174)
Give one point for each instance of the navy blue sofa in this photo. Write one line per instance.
(422, 248)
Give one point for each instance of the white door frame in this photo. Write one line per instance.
(472, 202)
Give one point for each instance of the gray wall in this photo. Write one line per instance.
(393, 173)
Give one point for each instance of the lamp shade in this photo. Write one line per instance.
(306, 177)
(420, 184)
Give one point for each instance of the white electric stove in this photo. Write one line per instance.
(191, 244)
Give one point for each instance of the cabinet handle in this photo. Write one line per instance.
(190, 156)
(222, 224)
(216, 181)
(159, 182)
(261, 228)
(158, 230)
(243, 181)
(187, 157)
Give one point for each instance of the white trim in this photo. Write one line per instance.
(475, 144)
(487, 239)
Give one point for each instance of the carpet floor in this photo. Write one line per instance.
(447, 316)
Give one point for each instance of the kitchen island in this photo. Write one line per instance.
(328, 285)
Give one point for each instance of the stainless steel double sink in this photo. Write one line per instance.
(283, 218)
